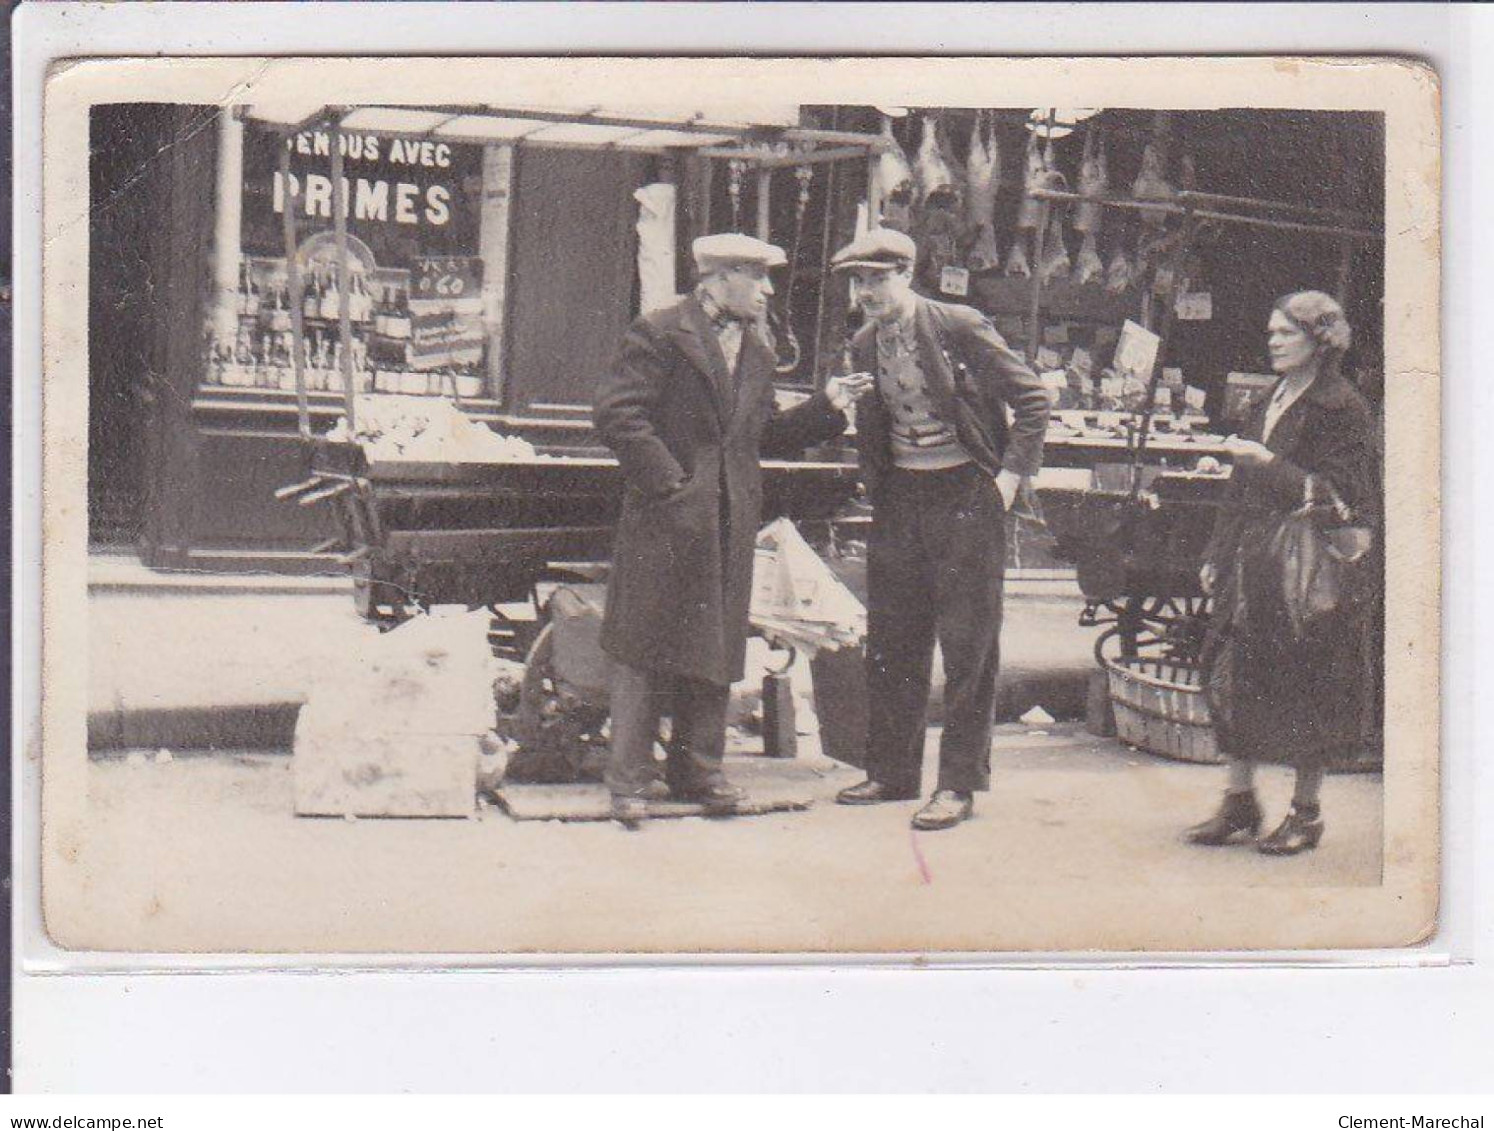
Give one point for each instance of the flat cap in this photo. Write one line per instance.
(726, 248)
(880, 247)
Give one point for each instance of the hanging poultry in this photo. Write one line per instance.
(894, 182)
(1055, 264)
(983, 174)
(1030, 211)
(931, 170)
(1094, 180)
(1151, 184)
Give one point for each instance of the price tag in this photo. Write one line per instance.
(444, 277)
(1195, 306)
(954, 281)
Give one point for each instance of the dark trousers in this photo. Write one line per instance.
(697, 736)
(935, 563)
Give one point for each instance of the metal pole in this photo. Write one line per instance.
(873, 192)
(1190, 196)
(344, 299)
(1035, 330)
(822, 287)
(293, 286)
(1208, 214)
(764, 203)
(1164, 332)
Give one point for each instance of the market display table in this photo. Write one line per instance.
(1085, 439)
(426, 533)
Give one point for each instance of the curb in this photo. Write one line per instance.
(248, 726)
(272, 726)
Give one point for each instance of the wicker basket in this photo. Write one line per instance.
(1160, 706)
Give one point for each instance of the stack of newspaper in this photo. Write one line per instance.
(796, 600)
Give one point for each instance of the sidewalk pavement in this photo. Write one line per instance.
(214, 661)
(1077, 845)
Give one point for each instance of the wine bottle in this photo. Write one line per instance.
(311, 301)
(251, 294)
(280, 319)
(330, 297)
(362, 304)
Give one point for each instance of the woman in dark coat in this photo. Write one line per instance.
(1275, 697)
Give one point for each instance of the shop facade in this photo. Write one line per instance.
(502, 274)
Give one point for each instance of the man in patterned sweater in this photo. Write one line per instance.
(941, 466)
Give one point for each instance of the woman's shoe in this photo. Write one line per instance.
(1300, 832)
(1239, 813)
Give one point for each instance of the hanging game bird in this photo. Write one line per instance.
(1055, 264)
(1030, 210)
(894, 182)
(1094, 180)
(983, 175)
(930, 169)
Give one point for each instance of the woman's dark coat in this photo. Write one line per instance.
(1274, 698)
(689, 437)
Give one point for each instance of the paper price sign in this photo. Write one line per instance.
(954, 281)
(1195, 306)
(445, 277)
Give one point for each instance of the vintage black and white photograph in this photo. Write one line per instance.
(853, 507)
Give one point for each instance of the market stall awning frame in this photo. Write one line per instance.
(765, 144)
(762, 146)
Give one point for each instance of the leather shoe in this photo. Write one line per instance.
(717, 797)
(946, 809)
(1298, 833)
(872, 792)
(629, 810)
(1238, 813)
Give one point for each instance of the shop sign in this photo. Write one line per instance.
(403, 198)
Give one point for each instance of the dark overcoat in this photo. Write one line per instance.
(973, 378)
(689, 437)
(1275, 698)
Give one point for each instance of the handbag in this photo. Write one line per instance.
(1318, 552)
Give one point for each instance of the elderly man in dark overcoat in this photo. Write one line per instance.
(688, 408)
(942, 465)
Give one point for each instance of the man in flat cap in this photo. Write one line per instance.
(688, 408)
(941, 466)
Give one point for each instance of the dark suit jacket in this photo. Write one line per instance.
(689, 436)
(973, 377)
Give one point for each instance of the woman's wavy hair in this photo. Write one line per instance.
(1321, 317)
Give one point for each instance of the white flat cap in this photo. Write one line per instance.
(724, 249)
(881, 248)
